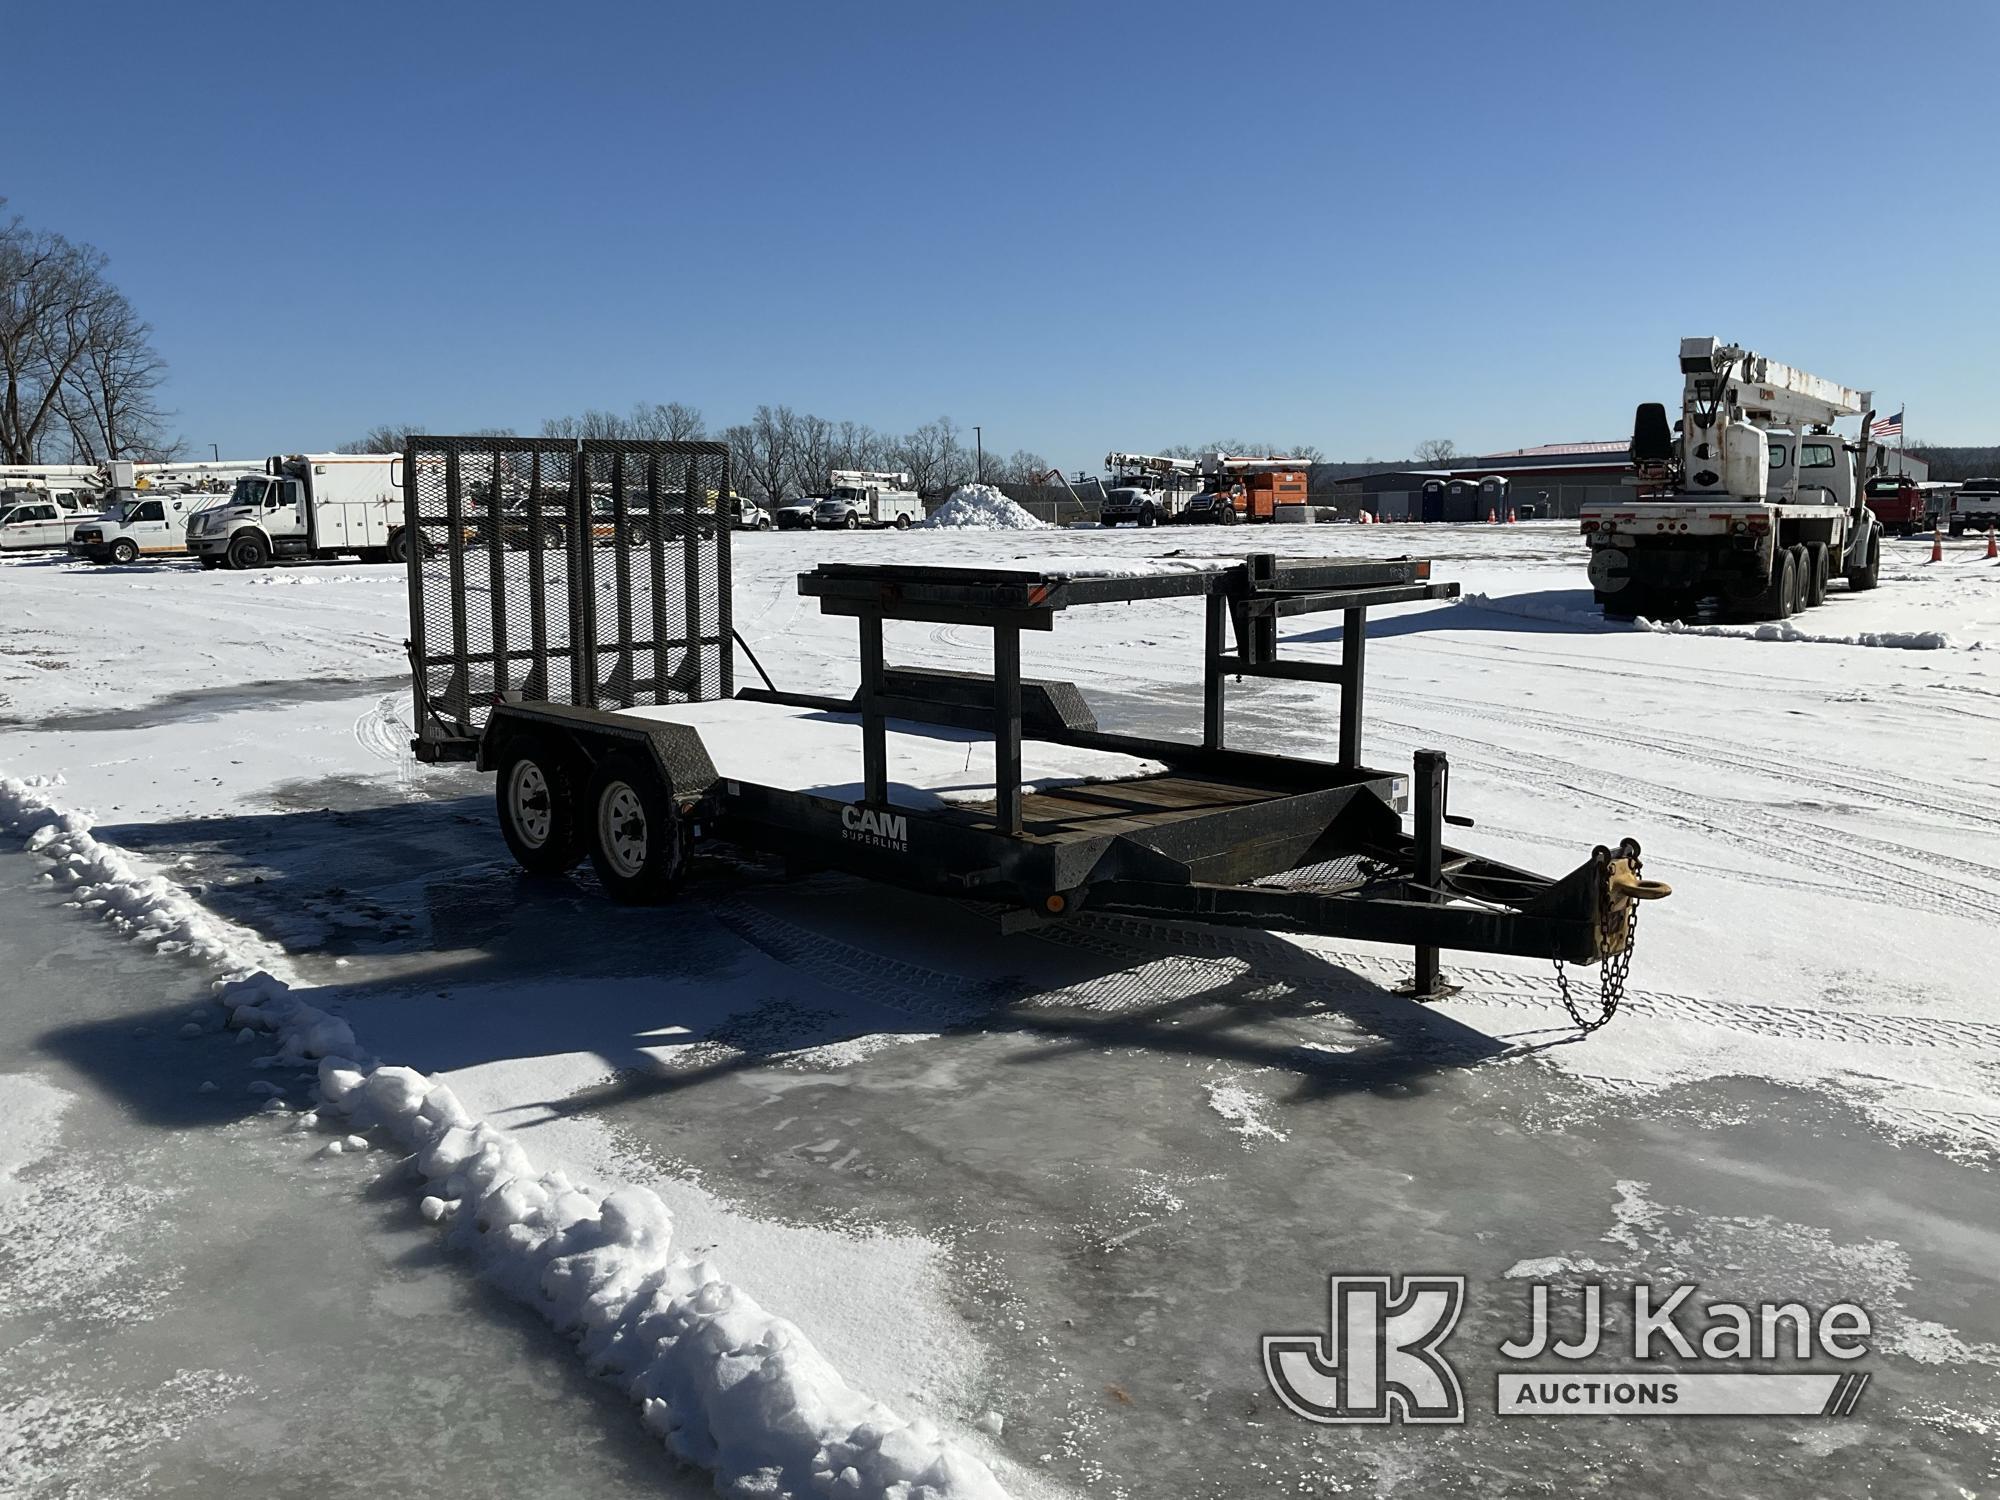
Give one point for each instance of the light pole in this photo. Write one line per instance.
(978, 455)
(214, 452)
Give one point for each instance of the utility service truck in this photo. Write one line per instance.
(1239, 488)
(1752, 507)
(863, 497)
(307, 505)
(1147, 489)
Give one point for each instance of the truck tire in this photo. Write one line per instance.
(247, 550)
(124, 551)
(1819, 568)
(763, 523)
(399, 545)
(1149, 517)
(209, 564)
(1869, 573)
(853, 522)
(1780, 598)
(637, 844)
(903, 522)
(535, 795)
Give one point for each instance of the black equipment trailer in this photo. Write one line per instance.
(594, 673)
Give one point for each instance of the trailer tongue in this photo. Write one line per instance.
(616, 732)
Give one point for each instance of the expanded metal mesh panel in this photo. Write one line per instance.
(592, 573)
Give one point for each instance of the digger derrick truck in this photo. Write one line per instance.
(1146, 489)
(1752, 506)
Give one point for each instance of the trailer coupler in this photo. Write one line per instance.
(1621, 887)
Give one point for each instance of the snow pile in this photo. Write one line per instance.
(722, 1382)
(980, 507)
(1784, 630)
(147, 908)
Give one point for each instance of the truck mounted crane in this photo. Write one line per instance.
(1751, 506)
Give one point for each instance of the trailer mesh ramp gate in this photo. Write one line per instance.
(591, 573)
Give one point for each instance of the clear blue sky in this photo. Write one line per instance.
(1082, 226)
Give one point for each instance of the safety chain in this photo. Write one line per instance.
(1611, 988)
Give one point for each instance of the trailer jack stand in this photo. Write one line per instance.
(1427, 983)
(1429, 787)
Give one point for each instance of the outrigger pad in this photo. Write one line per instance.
(964, 700)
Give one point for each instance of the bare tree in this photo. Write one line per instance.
(1435, 451)
(76, 362)
(109, 400)
(666, 422)
(934, 457)
(856, 445)
(811, 455)
(1024, 467)
(387, 437)
(760, 452)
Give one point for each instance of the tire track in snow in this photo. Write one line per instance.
(1138, 938)
(1721, 754)
(1845, 858)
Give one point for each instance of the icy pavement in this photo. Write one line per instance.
(1047, 1191)
(195, 1302)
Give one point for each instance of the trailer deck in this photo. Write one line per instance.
(653, 753)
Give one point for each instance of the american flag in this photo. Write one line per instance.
(1888, 427)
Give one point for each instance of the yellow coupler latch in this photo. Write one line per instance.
(1623, 888)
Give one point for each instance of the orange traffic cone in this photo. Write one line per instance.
(1937, 545)
(1991, 549)
(1510, 515)
(1492, 518)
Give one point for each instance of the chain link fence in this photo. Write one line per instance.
(593, 573)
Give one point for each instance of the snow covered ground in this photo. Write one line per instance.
(1038, 1195)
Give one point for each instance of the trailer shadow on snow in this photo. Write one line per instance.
(455, 959)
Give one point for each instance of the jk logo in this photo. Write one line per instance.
(1378, 1360)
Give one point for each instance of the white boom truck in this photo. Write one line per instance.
(863, 497)
(1756, 503)
(1147, 489)
(307, 505)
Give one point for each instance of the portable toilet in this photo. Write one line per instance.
(1493, 497)
(1461, 500)
(1433, 500)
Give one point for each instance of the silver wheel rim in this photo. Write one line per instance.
(621, 829)
(529, 803)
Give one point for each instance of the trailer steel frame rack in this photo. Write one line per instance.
(1221, 835)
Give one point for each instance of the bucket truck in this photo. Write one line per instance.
(1239, 488)
(1754, 503)
(1146, 489)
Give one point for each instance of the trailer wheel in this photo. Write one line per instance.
(1819, 568)
(248, 551)
(636, 843)
(536, 797)
(124, 551)
(1865, 577)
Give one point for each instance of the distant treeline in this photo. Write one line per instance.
(1958, 463)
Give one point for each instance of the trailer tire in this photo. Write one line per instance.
(247, 550)
(1869, 573)
(535, 794)
(124, 551)
(637, 845)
